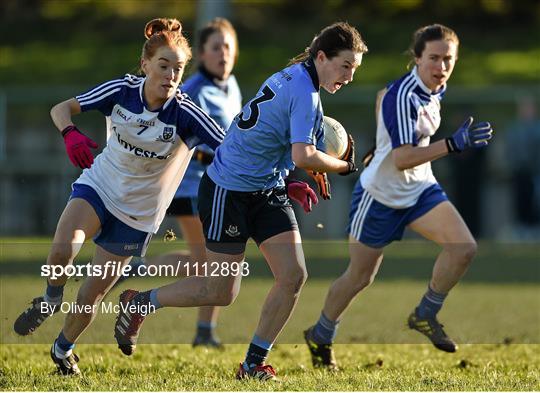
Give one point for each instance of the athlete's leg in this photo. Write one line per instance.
(91, 292)
(285, 256)
(192, 231)
(196, 291)
(444, 225)
(77, 222)
(192, 291)
(81, 315)
(360, 273)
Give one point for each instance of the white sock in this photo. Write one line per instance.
(60, 353)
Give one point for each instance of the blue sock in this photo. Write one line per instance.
(62, 346)
(205, 329)
(325, 330)
(257, 352)
(54, 294)
(430, 304)
(153, 299)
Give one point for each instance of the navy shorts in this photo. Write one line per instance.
(230, 218)
(115, 236)
(377, 225)
(183, 206)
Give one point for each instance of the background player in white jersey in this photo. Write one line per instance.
(243, 193)
(214, 88)
(398, 189)
(121, 198)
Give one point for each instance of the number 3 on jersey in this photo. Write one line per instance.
(267, 95)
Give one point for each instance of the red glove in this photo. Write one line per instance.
(77, 147)
(323, 185)
(302, 193)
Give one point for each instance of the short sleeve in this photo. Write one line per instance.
(304, 117)
(197, 127)
(103, 97)
(400, 117)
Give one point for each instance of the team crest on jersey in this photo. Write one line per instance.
(167, 135)
(232, 231)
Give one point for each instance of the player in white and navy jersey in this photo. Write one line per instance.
(121, 197)
(214, 88)
(398, 190)
(243, 194)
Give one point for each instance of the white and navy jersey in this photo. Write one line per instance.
(409, 114)
(257, 149)
(147, 152)
(222, 102)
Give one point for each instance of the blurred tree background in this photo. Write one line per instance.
(87, 41)
(52, 50)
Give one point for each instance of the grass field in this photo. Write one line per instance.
(494, 313)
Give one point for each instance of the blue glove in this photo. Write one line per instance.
(469, 135)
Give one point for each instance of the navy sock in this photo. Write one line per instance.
(257, 352)
(325, 330)
(205, 329)
(62, 346)
(430, 304)
(54, 294)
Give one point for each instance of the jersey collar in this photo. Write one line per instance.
(222, 84)
(425, 89)
(141, 95)
(312, 71)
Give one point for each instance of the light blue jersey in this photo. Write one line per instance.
(222, 103)
(257, 148)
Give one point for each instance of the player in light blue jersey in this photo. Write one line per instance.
(398, 189)
(243, 193)
(120, 198)
(214, 88)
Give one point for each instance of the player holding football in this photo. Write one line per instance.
(214, 89)
(120, 198)
(242, 193)
(398, 189)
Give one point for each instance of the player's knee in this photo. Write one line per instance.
(469, 250)
(225, 297)
(87, 297)
(293, 279)
(362, 281)
(60, 253)
(463, 252)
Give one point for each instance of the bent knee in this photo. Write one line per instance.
(464, 252)
(293, 279)
(61, 253)
(224, 298)
(361, 282)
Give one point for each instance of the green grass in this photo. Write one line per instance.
(365, 367)
(494, 315)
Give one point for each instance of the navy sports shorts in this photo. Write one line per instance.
(230, 218)
(377, 225)
(183, 206)
(115, 236)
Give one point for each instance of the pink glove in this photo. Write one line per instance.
(302, 193)
(77, 147)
